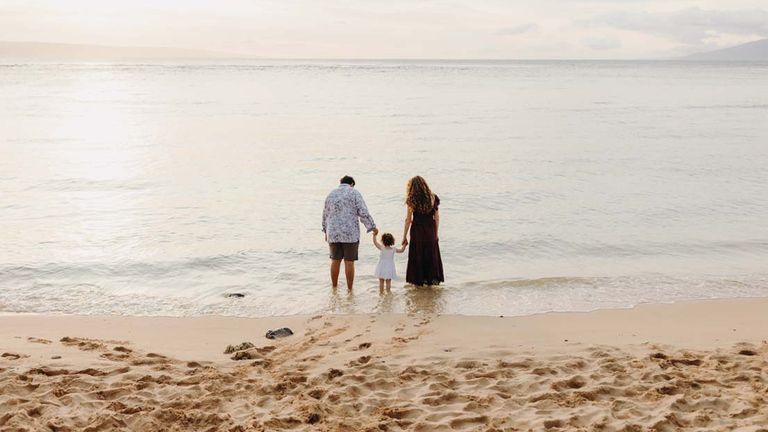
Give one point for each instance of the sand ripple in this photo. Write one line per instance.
(330, 379)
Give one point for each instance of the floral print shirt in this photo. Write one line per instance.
(343, 207)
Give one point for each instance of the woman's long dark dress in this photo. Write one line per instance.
(425, 266)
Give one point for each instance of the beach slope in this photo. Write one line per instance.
(692, 366)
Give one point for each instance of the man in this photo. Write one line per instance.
(343, 207)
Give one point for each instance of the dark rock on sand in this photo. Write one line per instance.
(234, 295)
(281, 332)
(239, 347)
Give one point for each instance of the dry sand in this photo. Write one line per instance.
(695, 366)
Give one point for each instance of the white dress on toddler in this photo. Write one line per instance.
(385, 269)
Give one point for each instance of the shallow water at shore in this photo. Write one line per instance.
(158, 188)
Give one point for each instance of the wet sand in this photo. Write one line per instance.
(690, 366)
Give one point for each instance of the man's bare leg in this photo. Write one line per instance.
(349, 272)
(335, 268)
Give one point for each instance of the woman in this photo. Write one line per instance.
(425, 267)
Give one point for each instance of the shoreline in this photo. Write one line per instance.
(651, 367)
(419, 312)
(644, 321)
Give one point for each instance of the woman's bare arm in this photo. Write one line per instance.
(408, 220)
(437, 223)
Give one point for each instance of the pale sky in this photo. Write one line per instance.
(395, 28)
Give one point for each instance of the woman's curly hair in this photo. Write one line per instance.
(418, 196)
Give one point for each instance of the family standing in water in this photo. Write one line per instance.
(345, 209)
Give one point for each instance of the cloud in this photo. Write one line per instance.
(518, 29)
(692, 26)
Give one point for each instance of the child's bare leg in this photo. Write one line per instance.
(381, 284)
(389, 284)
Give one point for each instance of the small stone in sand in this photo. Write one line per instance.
(234, 295)
(55, 357)
(240, 347)
(313, 418)
(334, 373)
(281, 332)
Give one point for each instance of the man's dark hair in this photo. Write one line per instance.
(348, 180)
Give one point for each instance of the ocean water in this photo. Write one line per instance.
(156, 189)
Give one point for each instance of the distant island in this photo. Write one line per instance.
(61, 51)
(751, 51)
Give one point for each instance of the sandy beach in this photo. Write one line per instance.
(688, 366)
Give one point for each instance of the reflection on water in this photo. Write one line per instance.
(409, 299)
(342, 301)
(386, 301)
(424, 299)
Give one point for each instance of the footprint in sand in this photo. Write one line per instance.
(423, 322)
(359, 361)
(467, 421)
(316, 393)
(152, 359)
(82, 343)
(115, 357)
(154, 355)
(253, 353)
(363, 346)
(121, 353)
(334, 373)
(403, 340)
(48, 371)
(12, 356)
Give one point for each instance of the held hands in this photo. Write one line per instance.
(404, 242)
(375, 232)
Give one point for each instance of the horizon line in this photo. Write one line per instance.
(224, 56)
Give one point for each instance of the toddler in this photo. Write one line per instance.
(385, 269)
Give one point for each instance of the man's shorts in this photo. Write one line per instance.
(344, 251)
